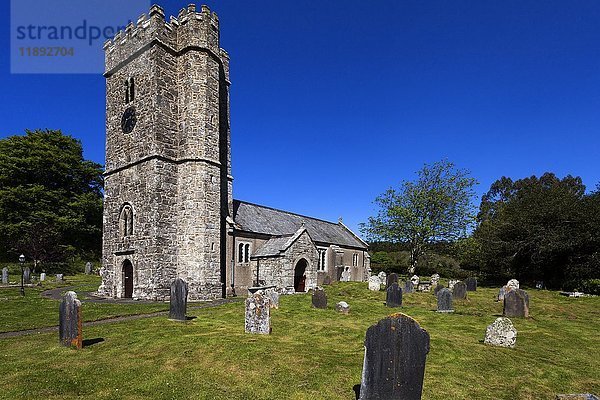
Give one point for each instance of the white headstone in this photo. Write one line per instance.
(501, 333)
(513, 284)
(374, 283)
(42, 277)
(415, 280)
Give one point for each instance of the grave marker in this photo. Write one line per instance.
(393, 296)
(88, 268)
(444, 301)
(178, 300)
(27, 275)
(319, 298)
(258, 314)
(70, 321)
(516, 304)
(391, 278)
(5, 275)
(342, 307)
(374, 283)
(460, 291)
(501, 333)
(471, 284)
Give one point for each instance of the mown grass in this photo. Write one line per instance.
(312, 354)
(32, 311)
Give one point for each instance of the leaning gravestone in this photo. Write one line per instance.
(88, 268)
(393, 296)
(27, 275)
(70, 321)
(319, 298)
(42, 277)
(437, 289)
(394, 365)
(409, 287)
(178, 300)
(391, 278)
(374, 283)
(516, 304)
(460, 291)
(471, 284)
(258, 314)
(342, 307)
(5, 275)
(444, 301)
(501, 333)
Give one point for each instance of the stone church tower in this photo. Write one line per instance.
(168, 184)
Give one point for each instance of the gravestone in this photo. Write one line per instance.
(70, 321)
(374, 283)
(382, 277)
(437, 289)
(501, 293)
(516, 304)
(501, 333)
(274, 297)
(409, 287)
(178, 300)
(424, 286)
(327, 280)
(513, 284)
(451, 283)
(391, 278)
(435, 279)
(258, 314)
(577, 396)
(5, 275)
(471, 284)
(346, 275)
(444, 301)
(394, 364)
(393, 296)
(415, 280)
(88, 268)
(342, 307)
(319, 298)
(42, 277)
(460, 291)
(539, 285)
(27, 275)
(59, 277)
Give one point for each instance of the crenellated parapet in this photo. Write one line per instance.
(191, 29)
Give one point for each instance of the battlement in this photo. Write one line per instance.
(191, 28)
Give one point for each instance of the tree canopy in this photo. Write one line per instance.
(436, 207)
(50, 197)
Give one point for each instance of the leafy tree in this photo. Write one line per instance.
(50, 197)
(437, 207)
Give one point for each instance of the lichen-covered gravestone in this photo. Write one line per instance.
(342, 307)
(393, 296)
(391, 278)
(444, 301)
(394, 365)
(258, 314)
(513, 284)
(27, 275)
(516, 304)
(178, 300)
(471, 284)
(42, 277)
(501, 333)
(88, 268)
(374, 283)
(460, 291)
(319, 298)
(5, 275)
(409, 287)
(70, 321)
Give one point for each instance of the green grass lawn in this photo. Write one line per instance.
(311, 354)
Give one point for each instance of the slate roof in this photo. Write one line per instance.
(273, 247)
(253, 218)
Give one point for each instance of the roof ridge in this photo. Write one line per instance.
(287, 212)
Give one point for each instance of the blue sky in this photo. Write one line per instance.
(333, 102)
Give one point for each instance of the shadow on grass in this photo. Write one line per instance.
(91, 342)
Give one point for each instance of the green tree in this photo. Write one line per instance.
(437, 207)
(50, 197)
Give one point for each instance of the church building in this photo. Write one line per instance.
(169, 210)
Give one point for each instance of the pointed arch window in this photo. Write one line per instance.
(126, 221)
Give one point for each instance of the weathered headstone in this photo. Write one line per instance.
(346, 275)
(513, 284)
(374, 283)
(435, 279)
(327, 280)
(460, 291)
(444, 301)
(394, 365)
(70, 321)
(59, 277)
(451, 283)
(342, 307)
(415, 280)
(391, 278)
(178, 300)
(258, 314)
(88, 268)
(382, 277)
(424, 286)
(42, 277)
(274, 296)
(501, 293)
(501, 333)
(437, 289)
(319, 298)
(471, 284)
(409, 287)
(5, 275)
(393, 296)
(516, 304)
(27, 275)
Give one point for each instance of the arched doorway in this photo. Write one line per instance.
(299, 275)
(127, 279)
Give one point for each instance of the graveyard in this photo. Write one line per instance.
(311, 352)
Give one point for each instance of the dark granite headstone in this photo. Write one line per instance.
(319, 298)
(437, 289)
(88, 268)
(5, 275)
(391, 278)
(409, 287)
(327, 280)
(394, 365)
(393, 297)
(178, 300)
(471, 284)
(516, 304)
(460, 291)
(27, 275)
(444, 301)
(70, 321)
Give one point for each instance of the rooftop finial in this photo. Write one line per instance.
(340, 220)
